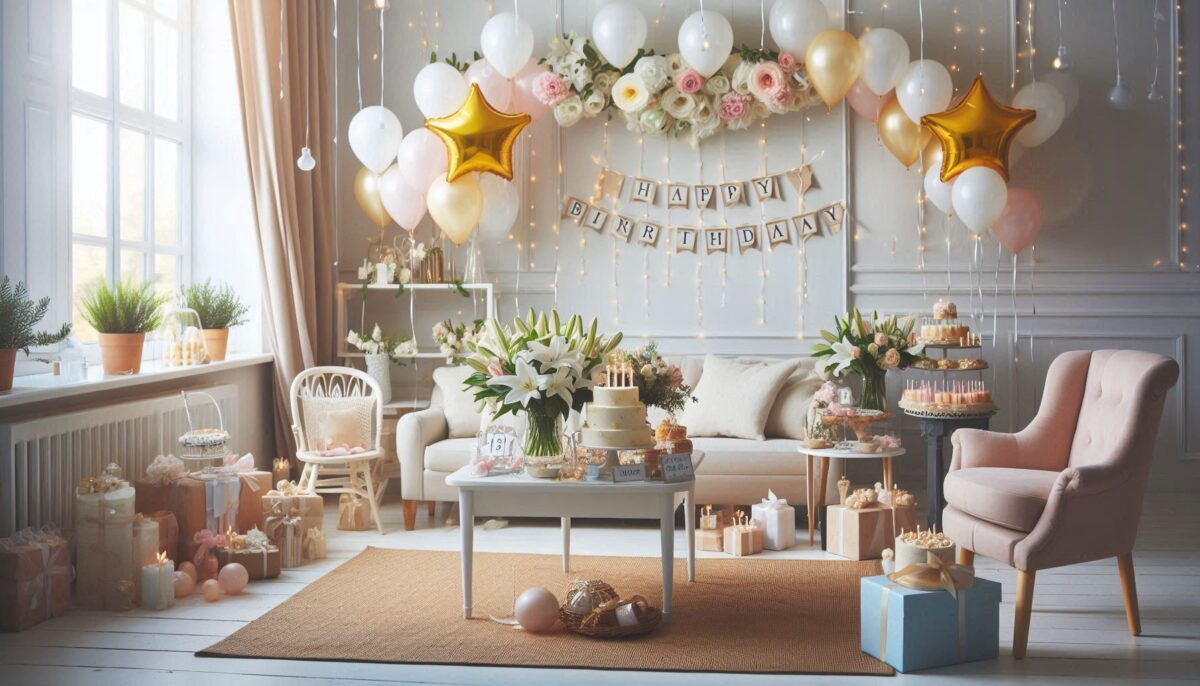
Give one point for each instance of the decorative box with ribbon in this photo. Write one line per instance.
(352, 513)
(202, 551)
(104, 542)
(287, 499)
(255, 484)
(929, 615)
(862, 531)
(168, 531)
(35, 578)
(777, 519)
(254, 551)
(314, 544)
(167, 486)
(287, 534)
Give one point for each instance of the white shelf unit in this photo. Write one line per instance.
(347, 289)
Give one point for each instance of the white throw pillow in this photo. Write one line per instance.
(790, 409)
(458, 403)
(734, 397)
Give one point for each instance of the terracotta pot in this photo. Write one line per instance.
(8, 362)
(121, 353)
(216, 341)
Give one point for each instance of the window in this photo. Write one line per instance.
(130, 144)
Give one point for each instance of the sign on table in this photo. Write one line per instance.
(677, 467)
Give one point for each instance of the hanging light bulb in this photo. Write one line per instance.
(1120, 96)
(306, 161)
(1060, 61)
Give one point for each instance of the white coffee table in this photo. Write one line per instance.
(519, 495)
(816, 487)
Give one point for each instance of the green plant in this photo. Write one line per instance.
(18, 316)
(218, 305)
(123, 307)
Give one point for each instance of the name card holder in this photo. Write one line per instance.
(677, 468)
(629, 472)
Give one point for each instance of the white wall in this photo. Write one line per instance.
(1107, 181)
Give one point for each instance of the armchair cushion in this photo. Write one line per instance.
(458, 404)
(449, 455)
(414, 432)
(1012, 498)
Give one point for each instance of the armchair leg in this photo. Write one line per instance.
(431, 507)
(1024, 609)
(1129, 588)
(966, 557)
(410, 515)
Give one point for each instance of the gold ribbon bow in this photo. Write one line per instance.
(935, 574)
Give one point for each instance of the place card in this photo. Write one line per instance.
(629, 472)
(677, 467)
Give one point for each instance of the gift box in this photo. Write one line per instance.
(777, 520)
(201, 550)
(262, 562)
(287, 534)
(314, 544)
(287, 499)
(710, 539)
(104, 542)
(250, 515)
(168, 531)
(858, 534)
(352, 513)
(913, 629)
(743, 539)
(35, 578)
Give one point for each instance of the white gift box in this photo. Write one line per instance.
(777, 519)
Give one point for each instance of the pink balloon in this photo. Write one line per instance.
(1020, 221)
(184, 584)
(496, 88)
(233, 578)
(523, 99)
(866, 103)
(402, 203)
(422, 157)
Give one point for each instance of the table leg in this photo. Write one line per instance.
(812, 496)
(821, 497)
(887, 473)
(566, 536)
(935, 468)
(667, 531)
(467, 527)
(689, 525)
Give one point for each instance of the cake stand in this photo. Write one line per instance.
(859, 422)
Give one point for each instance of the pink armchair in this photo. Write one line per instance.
(1068, 488)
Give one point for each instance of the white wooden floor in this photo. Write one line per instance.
(1078, 633)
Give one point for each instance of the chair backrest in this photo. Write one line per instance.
(335, 382)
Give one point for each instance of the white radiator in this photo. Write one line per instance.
(42, 460)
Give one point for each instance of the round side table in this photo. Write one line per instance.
(816, 487)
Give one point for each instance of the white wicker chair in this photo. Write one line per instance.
(357, 474)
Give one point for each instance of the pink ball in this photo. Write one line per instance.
(233, 578)
(537, 610)
(188, 568)
(211, 589)
(184, 584)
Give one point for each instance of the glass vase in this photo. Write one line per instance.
(543, 435)
(874, 390)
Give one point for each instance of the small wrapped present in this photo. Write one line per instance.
(104, 541)
(858, 533)
(352, 513)
(916, 547)
(287, 534)
(202, 551)
(167, 486)
(710, 539)
(929, 615)
(777, 519)
(743, 537)
(168, 531)
(35, 578)
(314, 544)
(261, 559)
(255, 484)
(711, 521)
(287, 499)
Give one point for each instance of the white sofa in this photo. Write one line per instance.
(735, 471)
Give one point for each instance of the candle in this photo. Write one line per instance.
(158, 584)
(281, 470)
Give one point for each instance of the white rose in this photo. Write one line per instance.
(653, 71)
(581, 76)
(630, 92)
(677, 103)
(675, 64)
(568, 111)
(603, 82)
(654, 120)
(595, 103)
(717, 84)
(741, 78)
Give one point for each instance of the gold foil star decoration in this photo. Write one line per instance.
(478, 137)
(978, 131)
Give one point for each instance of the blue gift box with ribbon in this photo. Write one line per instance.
(912, 629)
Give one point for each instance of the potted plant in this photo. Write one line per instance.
(122, 313)
(18, 316)
(220, 310)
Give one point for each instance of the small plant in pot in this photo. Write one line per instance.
(18, 316)
(220, 310)
(122, 313)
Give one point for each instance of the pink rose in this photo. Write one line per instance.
(780, 100)
(766, 80)
(880, 339)
(734, 105)
(495, 370)
(912, 339)
(675, 376)
(787, 62)
(688, 81)
(550, 88)
(857, 353)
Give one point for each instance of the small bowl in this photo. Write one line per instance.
(867, 447)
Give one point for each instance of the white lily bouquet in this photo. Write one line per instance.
(542, 367)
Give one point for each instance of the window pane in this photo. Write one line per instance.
(89, 176)
(166, 71)
(166, 192)
(133, 185)
(169, 8)
(89, 45)
(89, 265)
(133, 265)
(132, 44)
(166, 274)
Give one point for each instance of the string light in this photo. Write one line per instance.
(555, 227)
(1179, 146)
(700, 230)
(954, 40)
(762, 272)
(1060, 61)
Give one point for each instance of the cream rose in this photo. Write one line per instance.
(677, 104)
(675, 64)
(569, 111)
(594, 104)
(654, 120)
(604, 81)
(891, 359)
(630, 93)
(653, 71)
(717, 84)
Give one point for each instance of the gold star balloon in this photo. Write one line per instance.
(977, 132)
(478, 137)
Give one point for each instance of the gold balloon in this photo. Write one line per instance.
(478, 137)
(977, 132)
(834, 61)
(366, 192)
(902, 136)
(456, 206)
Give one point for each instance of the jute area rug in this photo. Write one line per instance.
(405, 606)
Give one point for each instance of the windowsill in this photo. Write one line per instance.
(47, 387)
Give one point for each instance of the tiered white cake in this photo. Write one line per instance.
(616, 420)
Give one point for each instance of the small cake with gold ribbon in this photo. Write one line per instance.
(915, 547)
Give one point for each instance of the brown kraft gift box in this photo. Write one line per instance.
(862, 534)
(260, 565)
(183, 497)
(251, 515)
(35, 582)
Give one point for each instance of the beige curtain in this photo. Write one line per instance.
(293, 209)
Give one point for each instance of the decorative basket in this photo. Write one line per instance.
(584, 597)
(593, 608)
(206, 447)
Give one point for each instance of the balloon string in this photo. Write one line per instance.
(996, 296)
(762, 24)
(382, 53)
(358, 51)
(1116, 38)
(1032, 296)
(282, 31)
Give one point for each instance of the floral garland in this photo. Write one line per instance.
(663, 96)
(453, 339)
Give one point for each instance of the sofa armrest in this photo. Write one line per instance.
(978, 448)
(414, 432)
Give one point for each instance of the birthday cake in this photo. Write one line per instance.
(616, 420)
(954, 397)
(945, 328)
(915, 547)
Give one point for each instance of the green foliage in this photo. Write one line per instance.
(756, 55)
(18, 316)
(218, 305)
(124, 307)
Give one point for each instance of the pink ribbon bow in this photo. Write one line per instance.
(205, 541)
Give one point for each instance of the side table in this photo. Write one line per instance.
(934, 431)
(816, 486)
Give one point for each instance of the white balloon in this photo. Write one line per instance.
(439, 90)
(939, 192)
(924, 89)
(374, 136)
(619, 31)
(507, 43)
(705, 41)
(794, 23)
(979, 197)
(1066, 85)
(885, 57)
(501, 203)
(1051, 109)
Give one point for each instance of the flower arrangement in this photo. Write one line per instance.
(818, 434)
(660, 383)
(399, 349)
(869, 348)
(663, 95)
(452, 339)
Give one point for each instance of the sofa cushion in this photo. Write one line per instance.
(734, 397)
(458, 404)
(450, 455)
(740, 457)
(1012, 498)
(790, 409)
